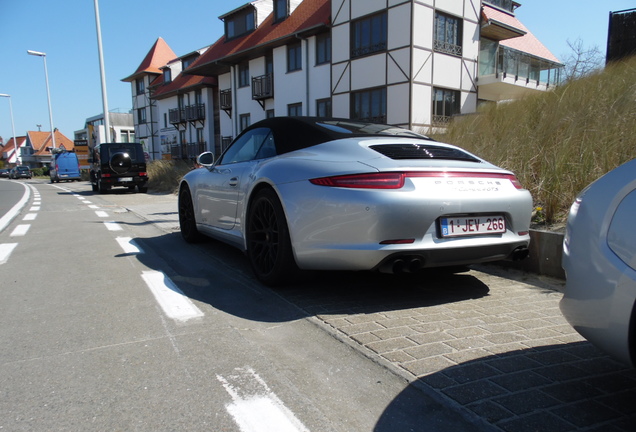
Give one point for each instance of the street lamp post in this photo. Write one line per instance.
(15, 138)
(48, 93)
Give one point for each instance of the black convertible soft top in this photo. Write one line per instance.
(296, 133)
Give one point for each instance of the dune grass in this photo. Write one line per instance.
(164, 175)
(558, 142)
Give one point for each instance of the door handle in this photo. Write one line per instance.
(234, 181)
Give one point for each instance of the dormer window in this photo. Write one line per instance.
(281, 10)
(186, 62)
(240, 23)
(167, 75)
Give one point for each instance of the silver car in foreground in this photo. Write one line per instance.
(599, 258)
(333, 194)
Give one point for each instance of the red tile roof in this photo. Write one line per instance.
(309, 15)
(158, 56)
(42, 140)
(527, 43)
(181, 83)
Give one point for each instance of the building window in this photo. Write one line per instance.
(448, 34)
(446, 103)
(369, 35)
(323, 48)
(369, 105)
(294, 57)
(244, 121)
(240, 23)
(141, 87)
(165, 120)
(244, 75)
(295, 110)
(141, 116)
(281, 10)
(323, 108)
(270, 113)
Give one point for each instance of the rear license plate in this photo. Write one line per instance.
(124, 179)
(474, 225)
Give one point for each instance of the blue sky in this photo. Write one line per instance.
(66, 32)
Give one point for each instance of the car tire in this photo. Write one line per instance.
(187, 221)
(142, 189)
(100, 187)
(268, 243)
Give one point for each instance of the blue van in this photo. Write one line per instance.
(64, 166)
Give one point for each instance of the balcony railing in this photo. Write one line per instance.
(195, 112)
(447, 48)
(189, 113)
(226, 99)
(187, 150)
(176, 115)
(263, 87)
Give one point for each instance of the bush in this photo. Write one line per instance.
(557, 142)
(165, 175)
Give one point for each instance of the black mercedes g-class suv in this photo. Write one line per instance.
(118, 164)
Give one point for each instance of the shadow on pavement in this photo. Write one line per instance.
(219, 275)
(548, 388)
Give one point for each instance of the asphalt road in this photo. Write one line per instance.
(109, 321)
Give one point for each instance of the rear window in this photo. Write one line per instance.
(422, 151)
(23, 169)
(131, 150)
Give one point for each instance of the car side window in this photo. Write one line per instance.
(255, 144)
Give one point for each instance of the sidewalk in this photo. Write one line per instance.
(492, 341)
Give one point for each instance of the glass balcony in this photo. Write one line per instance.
(503, 62)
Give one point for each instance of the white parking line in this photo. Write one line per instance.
(112, 226)
(20, 230)
(171, 299)
(255, 408)
(129, 245)
(30, 216)
(93, 207)
(5, 251)
(102, 214)
(34, 208)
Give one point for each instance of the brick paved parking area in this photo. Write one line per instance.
(490, 341)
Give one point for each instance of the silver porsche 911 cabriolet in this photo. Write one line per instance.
(335, 194)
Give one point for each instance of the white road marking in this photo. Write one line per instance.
(20, 230)
(5, 251)
(30, 216)
(129, 245)
(34, 208)
(171, 299)
(93, 207)
(87, 202)
(11, 214)
(255, 408)
(100, 213)
(112, 226)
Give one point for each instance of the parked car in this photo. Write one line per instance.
(4, 173)
(118, 164)
(20, 172)
(64, 166)
(330, 194)
(599, 259)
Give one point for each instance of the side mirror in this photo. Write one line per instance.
(206, 159)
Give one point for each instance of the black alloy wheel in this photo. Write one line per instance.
(187, 221)
(268, 243)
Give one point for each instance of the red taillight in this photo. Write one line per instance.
(105, 175)
(363, 181)
(395, 180)
(143, 174)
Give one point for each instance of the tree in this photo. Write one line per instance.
(582, 61)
